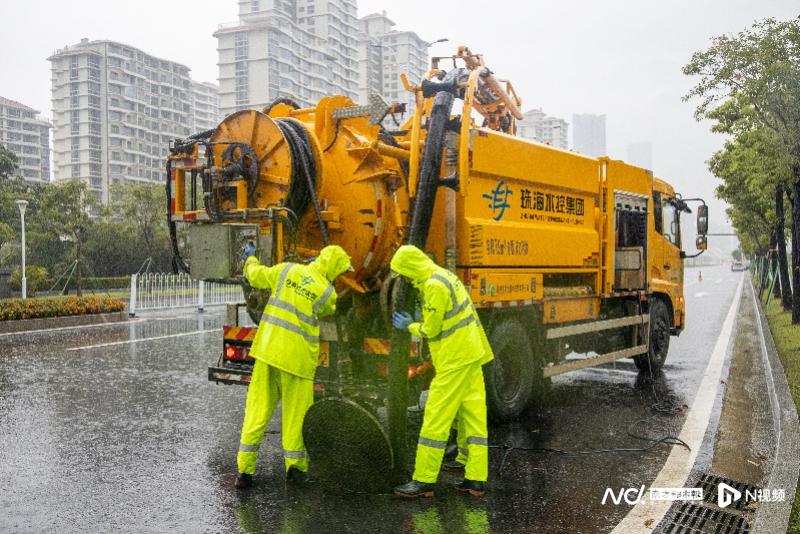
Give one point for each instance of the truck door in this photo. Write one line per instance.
(668, 266)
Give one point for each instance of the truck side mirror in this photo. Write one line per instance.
(702, 241)
(702, 221)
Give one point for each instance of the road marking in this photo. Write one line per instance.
(676, 469)
(145, 339)
(701, 294)
(99, 325)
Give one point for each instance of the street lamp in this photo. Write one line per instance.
(442, 40)
(22, 204)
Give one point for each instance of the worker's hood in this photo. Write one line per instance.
(332, 261)
(411, 262)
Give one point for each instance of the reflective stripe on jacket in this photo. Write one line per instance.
(288, 334)
(450, 323)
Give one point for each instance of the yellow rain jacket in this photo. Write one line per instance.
(288, 334)
(450, 323)
(459, 348)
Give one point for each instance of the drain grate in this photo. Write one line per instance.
(692, 518)
(710, 483)
(706, 517)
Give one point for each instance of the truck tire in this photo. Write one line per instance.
(660, 323)
(510, 376)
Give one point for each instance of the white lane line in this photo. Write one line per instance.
(701, 294)
(144, 339)
(680, 461)
(98, 325)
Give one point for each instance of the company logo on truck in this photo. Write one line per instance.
(498, 199)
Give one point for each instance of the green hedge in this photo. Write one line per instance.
(15, 309)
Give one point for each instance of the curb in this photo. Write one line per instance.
(46, 323)
(774, 516)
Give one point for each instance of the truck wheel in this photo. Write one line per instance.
(660, 322)
(510, 376)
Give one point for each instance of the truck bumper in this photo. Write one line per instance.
(228, 375)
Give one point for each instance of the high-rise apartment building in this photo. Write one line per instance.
(589, 134)
(384, 54)
(205, 106)
(304, 49)
(115, 109)
(25, 133)
(537, 125)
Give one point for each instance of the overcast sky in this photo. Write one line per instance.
(622, 57)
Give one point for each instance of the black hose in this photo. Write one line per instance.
(281, 100)
(303, 189)
(178, 263)
(428, 181)
(418, 235)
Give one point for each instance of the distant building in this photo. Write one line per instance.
(115, 110)
(384, 54)
(304, 49)
(589, 134)
(205, 106)
(641, 154)
(549, 130)
(25, 133)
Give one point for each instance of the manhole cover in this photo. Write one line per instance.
(348, 447)
(692, 518)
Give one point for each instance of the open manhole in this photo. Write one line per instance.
(348, 447)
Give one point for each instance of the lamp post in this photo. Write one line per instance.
(22, 204)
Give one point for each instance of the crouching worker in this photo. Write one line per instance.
(459, 349)
(286, 352)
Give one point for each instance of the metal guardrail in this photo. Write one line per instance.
(160, 291)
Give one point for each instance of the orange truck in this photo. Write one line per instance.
(572, 261)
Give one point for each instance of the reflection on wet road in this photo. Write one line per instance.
(117, 427)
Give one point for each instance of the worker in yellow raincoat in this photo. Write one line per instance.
(459, 349)
(286, 352)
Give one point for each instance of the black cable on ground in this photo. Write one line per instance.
(508, 447)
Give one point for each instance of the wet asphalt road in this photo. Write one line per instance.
(98, 433)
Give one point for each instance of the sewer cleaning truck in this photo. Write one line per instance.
(572, 261)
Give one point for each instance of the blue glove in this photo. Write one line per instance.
(248, 250)
(401, 320)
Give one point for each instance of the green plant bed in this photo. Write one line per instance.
(16, 309)
(787, 341)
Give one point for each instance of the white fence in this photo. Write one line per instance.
(158, 291)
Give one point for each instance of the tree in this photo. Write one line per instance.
(143, 207)
(8, 163)
(759, 67)
(65, 208)
(12, 188)
(754, 167)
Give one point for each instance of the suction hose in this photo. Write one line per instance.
(427, 185)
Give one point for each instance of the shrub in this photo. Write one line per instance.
(14, 309)
(38, 279)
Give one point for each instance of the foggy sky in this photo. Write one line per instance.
(622, 58)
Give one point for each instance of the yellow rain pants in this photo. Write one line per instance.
(268, 385)
(460, 392)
